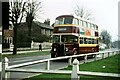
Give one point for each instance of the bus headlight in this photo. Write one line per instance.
(54, 49)
(66, 49)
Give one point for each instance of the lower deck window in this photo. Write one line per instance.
(88, 41)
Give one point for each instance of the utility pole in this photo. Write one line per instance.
(0, 40)
(4, 24)
(119, 25)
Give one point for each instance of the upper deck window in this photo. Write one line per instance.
(68, 20)
(96, 27)
(85, 24)
(59, 21)
(80, 22)
(89, 25)
(76, 21)
(64, 20)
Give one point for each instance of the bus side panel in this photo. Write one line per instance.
(83, 50)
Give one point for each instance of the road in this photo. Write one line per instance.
(54, 65)
(20, 75)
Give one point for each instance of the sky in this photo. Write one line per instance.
(104, 12)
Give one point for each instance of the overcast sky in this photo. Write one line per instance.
(105, 12)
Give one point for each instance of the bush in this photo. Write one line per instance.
(40, 38)
(23, 45)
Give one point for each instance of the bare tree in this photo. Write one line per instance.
(17, 9)
(83, 13)
(33, 7)
(47, 21)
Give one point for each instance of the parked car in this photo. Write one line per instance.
(102, 46)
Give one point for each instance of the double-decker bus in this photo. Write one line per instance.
(73, 35)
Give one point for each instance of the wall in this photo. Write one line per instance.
(45, 45)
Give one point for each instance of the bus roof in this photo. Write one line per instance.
(73, 16)
(65, 16)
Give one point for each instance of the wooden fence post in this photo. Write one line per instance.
(102, 55)
(108, 54)
(48, 65)
(75, 69)
(6, 75)
(95, 57)
(85, 59)
(117, 52)
(113, 53)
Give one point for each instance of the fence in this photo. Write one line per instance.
(74, 73)
(45, 45)
(22, 46)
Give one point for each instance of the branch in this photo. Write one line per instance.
(23, 9)
(81, 12)
(33, 8)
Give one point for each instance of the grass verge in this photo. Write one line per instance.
(111, 66)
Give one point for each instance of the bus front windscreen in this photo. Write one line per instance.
(69, 38)
(65, 39)
(64, 20)
(56, 38)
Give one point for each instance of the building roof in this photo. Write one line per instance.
(43, 25)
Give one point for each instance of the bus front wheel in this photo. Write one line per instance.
(53, 55)
(75, 52)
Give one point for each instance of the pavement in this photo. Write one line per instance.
(28, 51)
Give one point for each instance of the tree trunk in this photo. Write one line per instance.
(29, 20)
(15, 40)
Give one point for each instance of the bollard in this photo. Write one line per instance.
(75, 69)
(48, 65)
(70, 61)
(6, 75)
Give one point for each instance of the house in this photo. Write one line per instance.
(37, 29)
(8, 36)
(45, 29)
